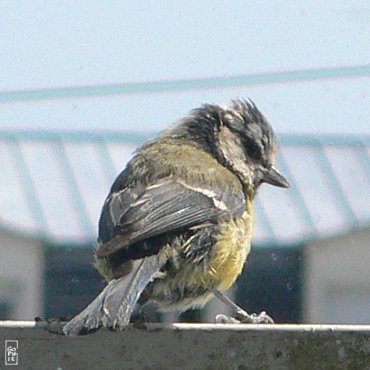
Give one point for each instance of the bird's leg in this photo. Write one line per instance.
(145, 312)
(241, 315)
(140, 319)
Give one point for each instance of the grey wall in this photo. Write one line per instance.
(337, 279)
(21, 275)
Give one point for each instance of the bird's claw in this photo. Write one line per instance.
(243, 317)
(261, 318)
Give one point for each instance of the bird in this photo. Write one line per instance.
(177, 224)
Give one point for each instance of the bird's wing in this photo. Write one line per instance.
(134, 214)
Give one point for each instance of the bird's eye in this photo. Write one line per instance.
(252, 148)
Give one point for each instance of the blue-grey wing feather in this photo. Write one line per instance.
(129, 216)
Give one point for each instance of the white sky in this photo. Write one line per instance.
(78, 43)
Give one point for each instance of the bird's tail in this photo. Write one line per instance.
(114, 305)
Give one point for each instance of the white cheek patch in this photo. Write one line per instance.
(232, 150)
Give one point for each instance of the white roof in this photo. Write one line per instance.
(53, 184)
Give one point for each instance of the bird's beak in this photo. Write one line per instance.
(274, 177)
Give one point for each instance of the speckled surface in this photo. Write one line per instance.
(203, 346)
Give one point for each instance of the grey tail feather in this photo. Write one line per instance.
(113, 307)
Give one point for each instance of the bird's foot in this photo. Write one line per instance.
(243, 317)
(140, 321)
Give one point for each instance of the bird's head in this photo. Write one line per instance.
(241, 138)
(238, 136)
(247, 144)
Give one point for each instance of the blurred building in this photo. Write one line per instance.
(310, 254)
(22, 267)
(337, 279)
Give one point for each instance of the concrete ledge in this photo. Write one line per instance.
(192, 346)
